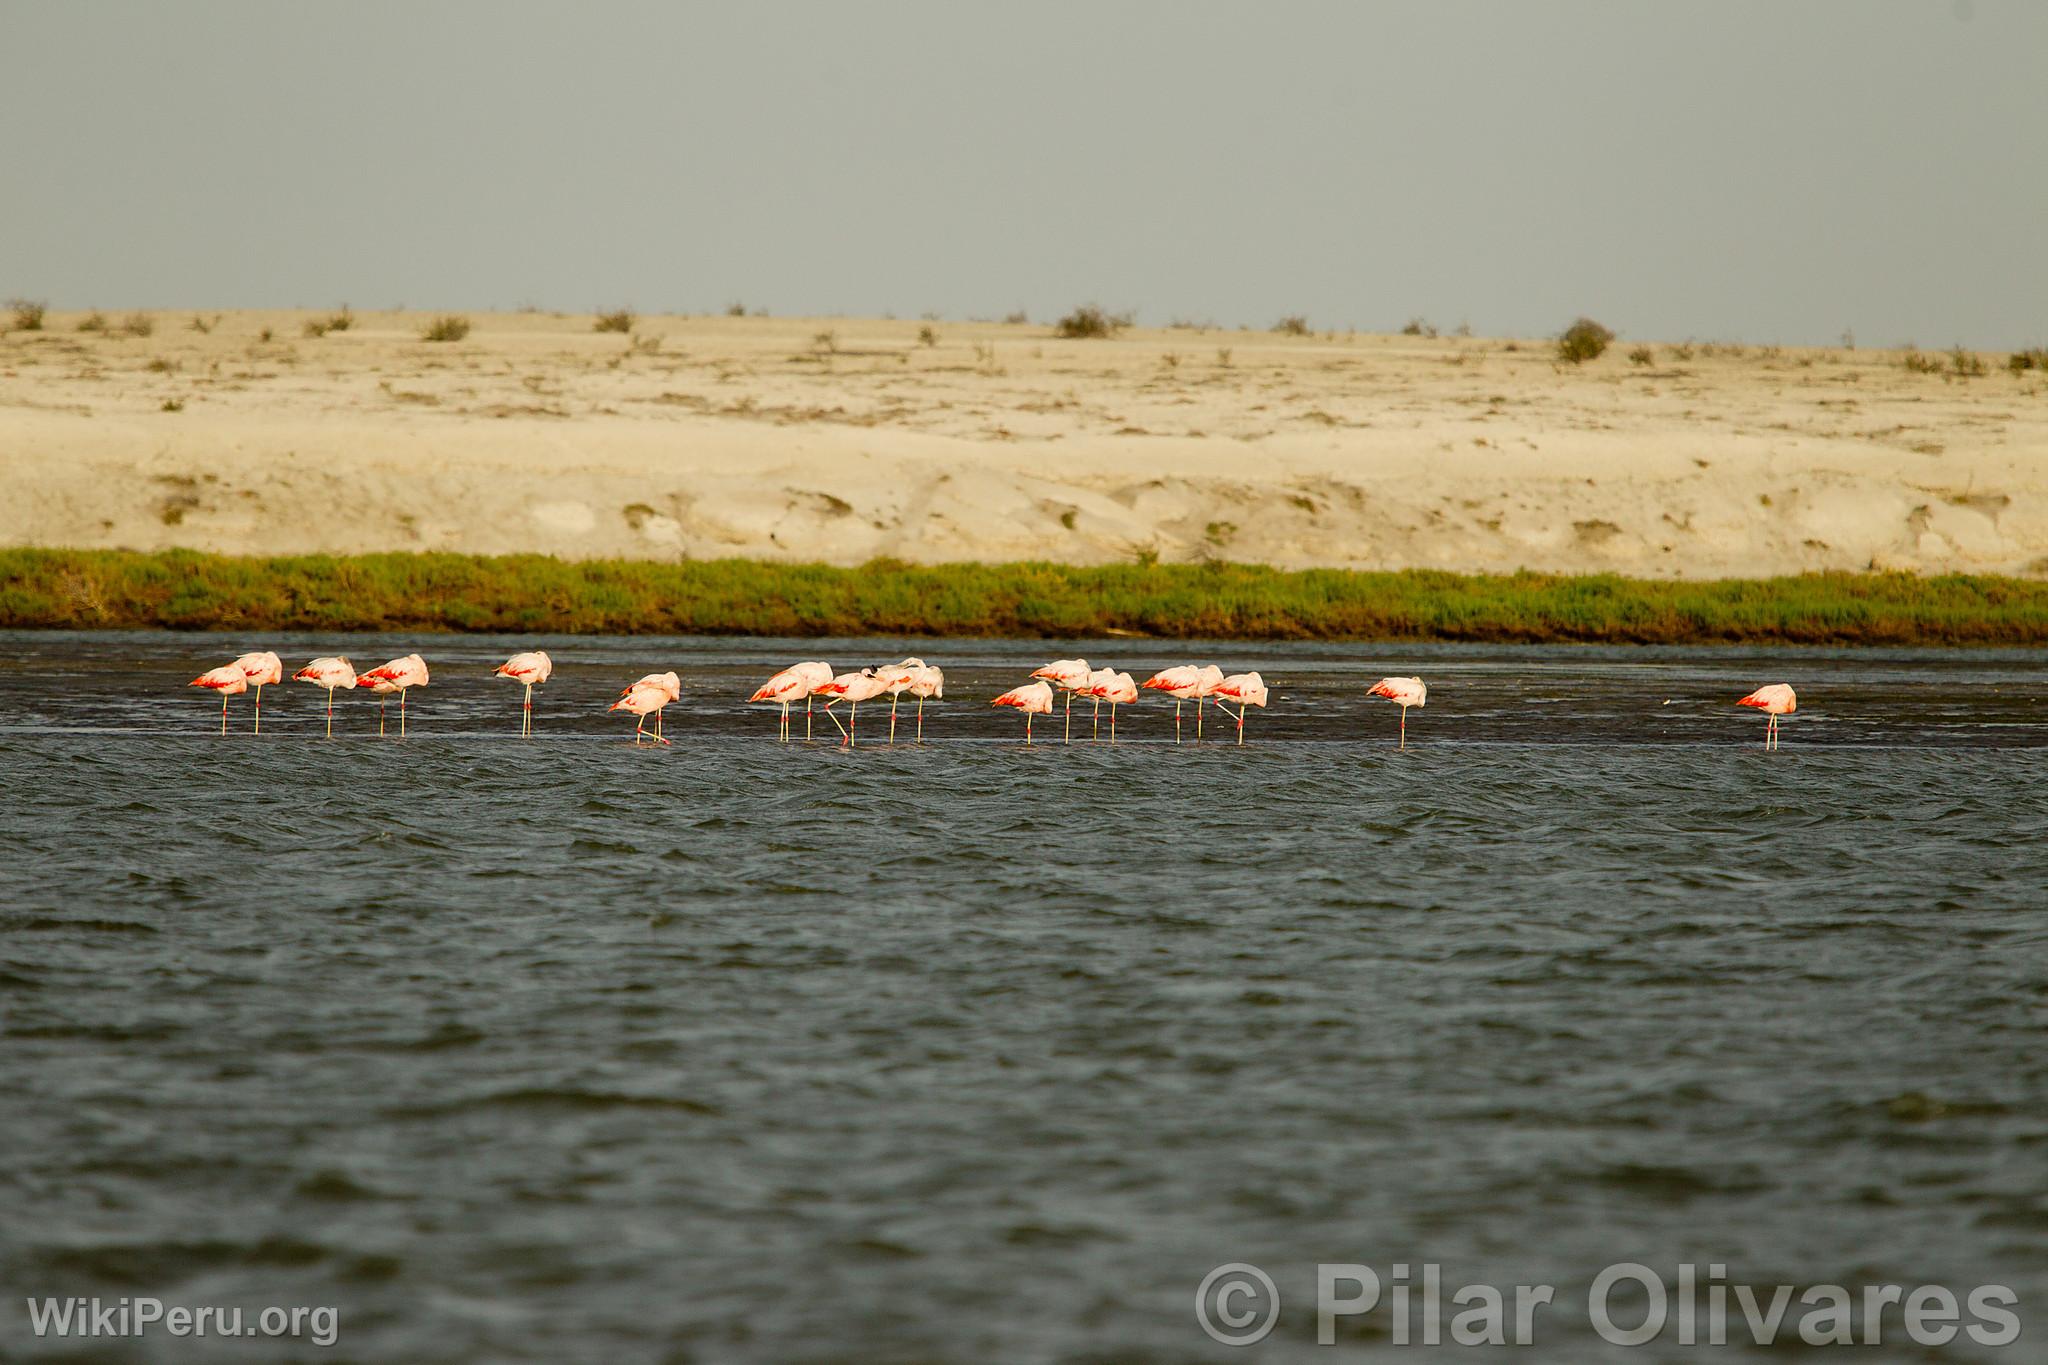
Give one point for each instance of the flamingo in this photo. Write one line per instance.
(1182, 682)
(400, 675)
(227, 680)
(1069, 676)
(896, 680)
(330, 673)
(1403, 692)
(647, 697)
(1246, 689)
(1033, 699)
(531, 668)
(259, 669)
(854, 688)
(929, 685)
(1778, 699)
(1207, 679)
(797, 682)
(1098, 680)
(1116, 689)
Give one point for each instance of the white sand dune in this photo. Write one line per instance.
(766, 438)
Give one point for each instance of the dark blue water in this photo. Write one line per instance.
(568, 1050)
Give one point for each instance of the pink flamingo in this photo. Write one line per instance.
(531, 668)
(1033, 699)
(1069, 676)
(929, 685)
(896, 680)
(331, 672)
(1099, 679)
(227, 680)
(795, 683)
(260, 669)
(647, 697)
(1776, 700)
(1117, 689)
(1403, 692)
(1246, 689)
(854, 688)
(400, 676)
(1183, 683)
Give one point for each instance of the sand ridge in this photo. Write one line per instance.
(845, 440)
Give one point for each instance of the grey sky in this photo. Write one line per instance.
(1756, 171)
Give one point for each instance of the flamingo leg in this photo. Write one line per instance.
(330, 713)
(1198, 720)
(1404, 727)
(1176, 720)
(833, 716)
(1027, 729)
(782, 730)
(1240, 722)
(892, 716)
(223, 713)
(852, 722)
(526, 714)
(920, 720)
(383, 704)
(1096, 733)
(1070, 719)
(807, 719)
(1112, 722)
(259, 708)
(401, 712)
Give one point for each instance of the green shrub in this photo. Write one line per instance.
(95, 321)
(1642, 355)
(1090, 322)
(620, 320)
(28, 314)
(1584, 340)
(447, 327)
(138, 325)
(1293, 325)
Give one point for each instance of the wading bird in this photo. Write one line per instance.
(227, 680)
(330, 673)
(1403, 692)
(1183, 683)
(531, 668)
(854, 688)
(647, 697)
(1246, 689)
(1069, 676)
(1117, 689)
(930, 685)
(794, 684)
(1033, 699)
(400, 676)
(1776, 700)
(260, 669)
(896, 680)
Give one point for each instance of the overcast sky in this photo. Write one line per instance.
(1756, 171)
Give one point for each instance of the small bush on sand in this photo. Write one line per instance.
(1584, 340)
(28, 314)
(202, 325)
(1090, 321)
(1642, 355)
(138, 324)
(1419, 327)
(621, 320)
(927, 336)
(1293, 325)
(333, 322)
(95, 321)
(447, 327)
(172, 405)
(2019, 362)
(1018, 318)
(1917, 363)
(1966, 364)
(735, 310)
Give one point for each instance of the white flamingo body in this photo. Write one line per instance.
(1069, 676)
(1774, 700)
(400, 676)
(1246, 689)
(531, 669)
(228, 680)
(261, 669)
(1033, 699)
(1404, 693)
(852, 688)
(797, 683)
(646, 698)
(330, 673)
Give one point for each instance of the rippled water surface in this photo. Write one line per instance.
(568, 1049)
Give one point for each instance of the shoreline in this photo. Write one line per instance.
(42, 589)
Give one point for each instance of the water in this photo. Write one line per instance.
(740, 1051)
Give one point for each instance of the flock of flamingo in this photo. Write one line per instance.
(1203, 685)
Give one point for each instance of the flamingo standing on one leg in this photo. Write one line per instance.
(1403, 692)
(1099, 680)
(532, 668)
(1778, 699)
(1118, 689)
(331, 672)
(227, 680)
(793, 684)
(646, 698)
(259, 669)
(1246, 689)
(1182, 682)
(896, 680)
(930, 685)
(853, 688)
(1033, 699)
(400, 676)
(1069, 676)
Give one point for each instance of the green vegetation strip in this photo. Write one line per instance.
(181, 590)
